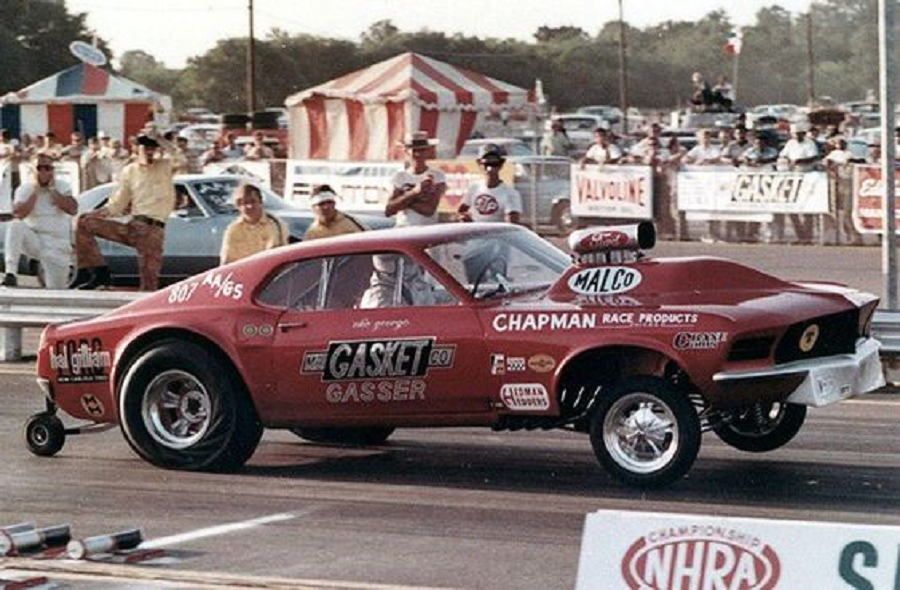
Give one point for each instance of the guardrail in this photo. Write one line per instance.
(35, 308)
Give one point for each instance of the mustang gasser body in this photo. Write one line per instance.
(345, 339)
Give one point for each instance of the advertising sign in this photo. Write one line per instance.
(362, 186)
(653, 551)
(867, 198)
(621, 192)
(730, 191)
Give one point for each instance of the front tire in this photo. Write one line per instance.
(182, 407)
(763, 428)
(645, 432)
(362, 437)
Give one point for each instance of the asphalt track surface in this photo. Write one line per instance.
(464, 508)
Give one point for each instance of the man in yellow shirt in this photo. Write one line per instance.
(329, 221)
(254, 230)
(146, 193)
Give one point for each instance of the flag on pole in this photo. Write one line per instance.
(735, 39)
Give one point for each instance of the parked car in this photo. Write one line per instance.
(474, 325)
(580, 129)
(194, 231)
(514, 148)
(544, 182)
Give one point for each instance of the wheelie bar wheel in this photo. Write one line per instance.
(45, 434)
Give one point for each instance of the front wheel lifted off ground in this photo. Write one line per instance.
(763, 428)
(645, 432)
(183, 407)
(45, 434)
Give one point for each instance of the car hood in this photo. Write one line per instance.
(710, 286)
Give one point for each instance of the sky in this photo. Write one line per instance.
(174, 30)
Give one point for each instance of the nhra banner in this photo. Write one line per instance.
(867, 199)
(643, 550)
(729, 190)
(621, 192)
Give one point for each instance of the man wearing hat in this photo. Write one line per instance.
(417, 189)
(491, 199)
(329, 221)
(147, 193)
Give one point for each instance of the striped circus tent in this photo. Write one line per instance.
(364, 115)
(82, 98)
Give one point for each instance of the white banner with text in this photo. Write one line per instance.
(619, 192)
(733, 191)
(653, 551)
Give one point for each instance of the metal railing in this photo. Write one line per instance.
(886, 328)
(35, 308)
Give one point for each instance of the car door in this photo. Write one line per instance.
(195, 227)
(345, 352)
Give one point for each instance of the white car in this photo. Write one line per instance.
(580, 129)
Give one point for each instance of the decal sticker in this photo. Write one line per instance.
(605, 280)
(92, 405)
(525, 396)
(250, 330)
(80, 361)
(541, 363)
(380, 325)
(809, 337)
(390, 390)
(498, 364)
(608, 300)
(698, 340)
(721, 558)
(630, 319)
(214, 282)
(603, 240)
(515, 364)
(373, 359)
(223, 286)
(523, 322)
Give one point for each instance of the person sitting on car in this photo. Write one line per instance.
(254, 230)
(42, 225)
(329, 221)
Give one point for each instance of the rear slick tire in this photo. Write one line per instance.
(182, 407)
(645, 432)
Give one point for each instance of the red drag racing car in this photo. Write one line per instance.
(343, 340)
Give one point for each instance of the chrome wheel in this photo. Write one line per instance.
(176, 409)
(641, 433)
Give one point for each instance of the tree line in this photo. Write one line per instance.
(576, 66)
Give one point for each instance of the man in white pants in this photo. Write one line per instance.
(42, 226)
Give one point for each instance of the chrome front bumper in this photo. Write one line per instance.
(827, 379)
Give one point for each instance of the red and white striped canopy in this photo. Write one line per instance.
(364, 114)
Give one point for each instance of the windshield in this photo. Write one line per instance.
(501, 263)
(218, 193)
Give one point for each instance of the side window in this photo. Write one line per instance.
(295, 286)
(348, 279)
(398, 281)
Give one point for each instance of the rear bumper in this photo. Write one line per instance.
(819, 382)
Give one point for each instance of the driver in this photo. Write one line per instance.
(415, 289)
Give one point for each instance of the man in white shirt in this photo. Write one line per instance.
(418, 188)
(704, 153)
(490, 199)
(42, 226)
(800, 153)
(603, 151)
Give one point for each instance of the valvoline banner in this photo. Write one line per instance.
(653, 551)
